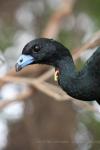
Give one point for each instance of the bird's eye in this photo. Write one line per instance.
(36, 48)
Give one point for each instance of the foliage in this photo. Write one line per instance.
(6, 37)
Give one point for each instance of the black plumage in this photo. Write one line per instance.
(82, 85)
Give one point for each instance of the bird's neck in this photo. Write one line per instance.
(67, 71)
(69, 79)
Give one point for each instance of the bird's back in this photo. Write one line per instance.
(93, 65)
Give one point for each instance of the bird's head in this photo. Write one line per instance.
(40, 51)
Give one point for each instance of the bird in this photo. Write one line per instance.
(83, 84)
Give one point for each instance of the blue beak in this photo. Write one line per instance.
(23, 61)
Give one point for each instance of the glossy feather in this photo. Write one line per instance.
(83, 84)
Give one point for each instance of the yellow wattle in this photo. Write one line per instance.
(56, 75)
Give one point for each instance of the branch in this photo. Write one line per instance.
(53, 25)
(91, 43)
(50, 90)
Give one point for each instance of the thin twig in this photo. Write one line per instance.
(53, 25)
(91, 43)
(42, 86)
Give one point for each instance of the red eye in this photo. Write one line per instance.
(36, 48)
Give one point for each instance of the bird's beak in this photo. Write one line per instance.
(23, 61)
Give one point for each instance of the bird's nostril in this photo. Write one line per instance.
(21, 60)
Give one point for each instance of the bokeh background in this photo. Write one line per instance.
(31, 117)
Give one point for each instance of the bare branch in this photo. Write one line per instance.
(91, 43)
(53, 25)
